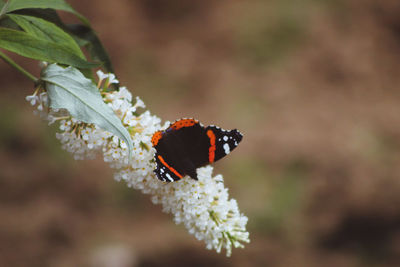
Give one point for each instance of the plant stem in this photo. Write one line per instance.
(18, 67)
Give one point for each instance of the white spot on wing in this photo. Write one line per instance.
(169, 177)
(225, 138)
(226, 148)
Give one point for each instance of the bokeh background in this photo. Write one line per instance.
(314, 87)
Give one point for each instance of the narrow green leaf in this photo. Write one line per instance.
(54, 4)
(6, 22)
(83, 34)
(43, 13)
(3, 8)
(2, 3)
(28, 46)
(69, 89)
(94, 45)
(45, 30)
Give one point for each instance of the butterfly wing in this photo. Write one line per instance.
(191, 143)
(164, 171)
(179, 150)
(195, 142)
(222, 142)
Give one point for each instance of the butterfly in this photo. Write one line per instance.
(187, 145)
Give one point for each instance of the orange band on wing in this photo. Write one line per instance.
(211, 149)
(183, 123)
(156, 137)
(169, 167)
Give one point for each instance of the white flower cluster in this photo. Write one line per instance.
(203, 206)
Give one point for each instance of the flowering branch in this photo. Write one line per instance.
(202, 206)
(99, 119)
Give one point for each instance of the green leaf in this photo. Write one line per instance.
(45, 30)
(3, 8)
(69, 89)
(28, 46)
(2, 3)
(8, 23)
(54, 4)
(94, 45)
(83, 34)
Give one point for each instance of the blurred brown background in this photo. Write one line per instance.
(314, 87)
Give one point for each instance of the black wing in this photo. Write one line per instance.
(225, 141)
(184, 146)
(164, 171)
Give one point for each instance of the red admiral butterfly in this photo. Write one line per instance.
(187, 145)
